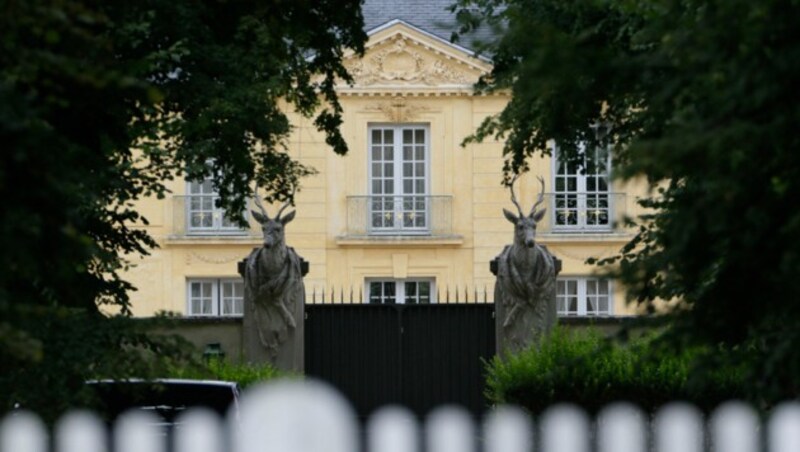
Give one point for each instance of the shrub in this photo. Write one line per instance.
(220, 369)
(584, 368)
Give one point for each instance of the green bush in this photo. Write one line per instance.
(589, 370)
(220, 369)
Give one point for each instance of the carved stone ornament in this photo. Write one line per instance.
(401, 63)
(525, 292)
(398, 109)
(274, 297)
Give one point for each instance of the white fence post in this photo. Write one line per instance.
(622, 427)
(23, 432)
(679, 428)
(81, 431)
(449, 429)
(734, 428)
(136, 431)
(508, 429)
(295, 416)
(784, 428)
(392, 429)
(200, 431)
(565, 428)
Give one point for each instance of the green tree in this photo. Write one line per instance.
(103, 102)
(700, 98)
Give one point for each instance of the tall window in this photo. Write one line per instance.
(582, 199)
(583, 297)
(215, 297)
(398, 176)
(201, 211)
(400, 291)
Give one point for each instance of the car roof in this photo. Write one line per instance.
(179, 381)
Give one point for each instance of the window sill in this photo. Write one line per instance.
(400, 240)
(213, 239)
(583, 236)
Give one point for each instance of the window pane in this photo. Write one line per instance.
(408, 153)
(420, 153)
(408, 136)
(377, 170)
(572, 287)
(388, 170)
(376, 136)
(388, 136)
(207, 290)
(419, 136)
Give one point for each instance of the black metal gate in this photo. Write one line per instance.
(418, 356)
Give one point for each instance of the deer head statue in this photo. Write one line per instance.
(525, 225)
(273, 228)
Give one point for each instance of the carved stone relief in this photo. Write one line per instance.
(398, 109)
(401, 62)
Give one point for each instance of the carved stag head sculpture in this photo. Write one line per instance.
(273, 227)
(525, 225)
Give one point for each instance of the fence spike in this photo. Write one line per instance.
(447, 300)
(341, 294)
(360, 295)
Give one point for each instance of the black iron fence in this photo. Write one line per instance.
(445, 295)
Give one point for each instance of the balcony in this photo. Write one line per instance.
(584, 213)
(408, 215)
(197, 216)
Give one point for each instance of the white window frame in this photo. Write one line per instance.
(217, 297)
(582, 197)
(403, 206)
(400, 288)
(218, 219)
(583, 286)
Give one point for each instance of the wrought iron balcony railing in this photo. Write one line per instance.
(399, 215)
(584, 212)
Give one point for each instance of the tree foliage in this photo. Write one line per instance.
(102, 103)
(700, 97)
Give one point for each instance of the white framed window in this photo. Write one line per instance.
(215, 297)
(401, 291)
(202, 214)
(581, 198)
(399, 166)
(584, 297)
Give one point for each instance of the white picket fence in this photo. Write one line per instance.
(311, 417)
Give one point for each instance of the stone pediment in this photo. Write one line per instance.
(402, 59)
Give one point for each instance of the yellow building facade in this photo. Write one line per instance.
(409, 215)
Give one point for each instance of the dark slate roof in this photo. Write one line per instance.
(428, 15)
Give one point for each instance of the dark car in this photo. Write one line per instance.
(167, 398)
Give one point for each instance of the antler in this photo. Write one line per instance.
(540, 199)
(260, 206)
(513, 196)
(287, 203)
